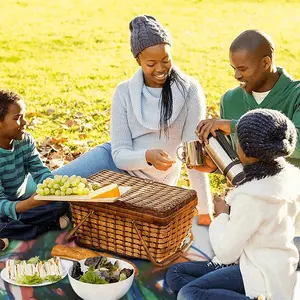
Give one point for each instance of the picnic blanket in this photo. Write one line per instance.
(149, 284)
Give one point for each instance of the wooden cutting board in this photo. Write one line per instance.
(85, 198)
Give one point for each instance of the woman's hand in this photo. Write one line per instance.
(159, 159)
(220, 206)
(205, 127)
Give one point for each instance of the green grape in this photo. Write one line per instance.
(84, 181)
(79, 191)
(74, 183)
(57, 178)
(56, 186)
(64, 185)
(67, 184)
(47, 180)
(50, 184)
(95, 186)
(40, 191)
(81, 185)
(65, 178)
(69, 191)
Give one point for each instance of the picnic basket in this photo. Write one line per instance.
(150, 221)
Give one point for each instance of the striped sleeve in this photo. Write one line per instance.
(7, 207)
(37, 169)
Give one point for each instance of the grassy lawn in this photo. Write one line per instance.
(66, 56)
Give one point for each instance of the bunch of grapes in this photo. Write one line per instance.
(65, 186)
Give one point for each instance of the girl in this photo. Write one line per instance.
(257, 226)
(152, 114)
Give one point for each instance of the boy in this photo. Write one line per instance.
(22, 217)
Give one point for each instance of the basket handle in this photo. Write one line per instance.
(169, 259)
(73, 231)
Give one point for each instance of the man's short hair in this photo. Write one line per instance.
(254, 41)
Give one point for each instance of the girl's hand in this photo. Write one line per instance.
(208, 164)
(159, 159)
(220, 206)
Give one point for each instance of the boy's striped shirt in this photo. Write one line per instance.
(15, 165)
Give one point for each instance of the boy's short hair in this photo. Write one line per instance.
(6, 99)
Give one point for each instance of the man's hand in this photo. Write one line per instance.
(220, 206)
(205, 127)
(160, 159)
(29, 203)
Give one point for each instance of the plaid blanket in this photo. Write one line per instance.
(149, 284)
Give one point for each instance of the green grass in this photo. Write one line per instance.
(69, 55)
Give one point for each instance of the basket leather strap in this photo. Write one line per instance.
(169, 259)
(73, 231)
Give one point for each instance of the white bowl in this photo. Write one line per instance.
(110, 291)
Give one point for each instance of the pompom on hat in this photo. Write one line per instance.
(146, 31)
(266, 134)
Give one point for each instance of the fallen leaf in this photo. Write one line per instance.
(87, 126)
(78, 121)
(50, 111)
(70, 123)
(83, 136)
(79, 115)
(79, 143)
(56, 163)
(59, 140)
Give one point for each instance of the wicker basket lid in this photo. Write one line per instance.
(146, 196)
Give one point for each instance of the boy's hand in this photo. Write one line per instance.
(29, 203)
(159, 159)
(205, 127)
(220, 206)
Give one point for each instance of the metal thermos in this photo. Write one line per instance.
(220, 151)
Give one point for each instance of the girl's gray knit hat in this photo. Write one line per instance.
(146, 31)
(266, 134)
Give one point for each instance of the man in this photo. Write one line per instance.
(262, 85)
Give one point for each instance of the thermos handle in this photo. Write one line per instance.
(224, 141)
(178, 156)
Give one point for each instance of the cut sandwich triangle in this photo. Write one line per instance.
(108, 191)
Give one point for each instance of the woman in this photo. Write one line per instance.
(152, 114)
